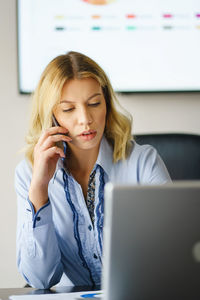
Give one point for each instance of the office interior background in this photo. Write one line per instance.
(152, 113)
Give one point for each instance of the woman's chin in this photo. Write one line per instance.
(86, 144)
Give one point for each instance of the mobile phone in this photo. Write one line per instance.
(55, 123)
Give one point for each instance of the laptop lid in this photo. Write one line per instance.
(152, 242)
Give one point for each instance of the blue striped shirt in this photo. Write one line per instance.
(59, 243)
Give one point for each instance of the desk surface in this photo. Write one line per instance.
(5, 293)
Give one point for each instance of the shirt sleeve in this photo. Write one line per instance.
(151, 168)
(38, 254)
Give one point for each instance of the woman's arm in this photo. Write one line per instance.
(38, 254)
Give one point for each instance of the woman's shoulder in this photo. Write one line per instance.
(138, 154)
(149, 164)
(142, 151)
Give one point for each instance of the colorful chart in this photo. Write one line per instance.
(159, 40)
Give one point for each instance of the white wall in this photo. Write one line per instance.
(151, 113)
(164, 112)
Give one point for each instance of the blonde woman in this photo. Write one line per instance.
(77, 142)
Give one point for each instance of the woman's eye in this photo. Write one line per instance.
(94, 104)
(68, 109)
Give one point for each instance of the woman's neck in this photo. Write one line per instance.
(82, 161)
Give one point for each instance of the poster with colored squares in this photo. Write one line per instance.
(144, 46)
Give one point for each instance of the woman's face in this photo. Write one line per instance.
(82, 110)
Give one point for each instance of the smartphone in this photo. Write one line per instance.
(55, 123)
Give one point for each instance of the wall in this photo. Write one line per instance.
(151, 113)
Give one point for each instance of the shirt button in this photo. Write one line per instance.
(95, 256)
(38, 218)
(90, 227)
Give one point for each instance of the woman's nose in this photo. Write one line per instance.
(85, 117)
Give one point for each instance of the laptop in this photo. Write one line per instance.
(152, 242)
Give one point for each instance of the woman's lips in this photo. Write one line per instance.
(88, 135)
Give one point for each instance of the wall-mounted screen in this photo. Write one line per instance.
(143, 45)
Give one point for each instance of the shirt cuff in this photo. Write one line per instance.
(41, 217)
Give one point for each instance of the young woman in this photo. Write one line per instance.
(77, 142)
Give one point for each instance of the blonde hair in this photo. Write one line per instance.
(74, 65)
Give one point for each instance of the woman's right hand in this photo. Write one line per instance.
(46, 155)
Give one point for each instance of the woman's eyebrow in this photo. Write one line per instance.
(94, 95)
(66, 101)
(89, 98)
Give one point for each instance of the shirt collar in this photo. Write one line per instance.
(104, 159)
(105, 156)
(59, 166)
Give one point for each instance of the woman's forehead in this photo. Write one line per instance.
(80, 89)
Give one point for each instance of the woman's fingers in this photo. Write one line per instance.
(51, 140)
(46, 148)
(51, 152)
(51, 131)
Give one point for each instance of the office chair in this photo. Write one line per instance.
(180, 153)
